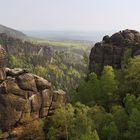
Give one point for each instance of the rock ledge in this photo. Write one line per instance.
(24, 94)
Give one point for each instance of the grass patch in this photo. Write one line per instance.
(66, 43)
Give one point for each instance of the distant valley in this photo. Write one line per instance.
(93, 36)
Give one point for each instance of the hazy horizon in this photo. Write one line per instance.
(68, 35)
(74, 15)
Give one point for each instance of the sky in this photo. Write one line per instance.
(84, 15)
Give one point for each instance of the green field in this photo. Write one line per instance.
(66, 43)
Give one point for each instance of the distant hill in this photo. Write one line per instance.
(93, 36)
(12, 33)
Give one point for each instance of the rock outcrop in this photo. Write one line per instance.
(111, 50)
(24, 94)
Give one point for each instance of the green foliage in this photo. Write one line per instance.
(101, 90)
(0, 131)
(88, 91)
(120, 117)
(32, 130)
(14, 62)
(88, 136)
(62, 44)
(72, 122)
(132, 76)
(40, 70)
(133, 125)
(131, 102)
(111, 132)
(116, 114)
(64, 70)
(109, 107)
(126, 57)
(101, 119)
(108, 85)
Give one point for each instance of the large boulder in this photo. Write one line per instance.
(111, 50)
(15, 72)
(24, 94)
(117, 38)
(42, 83)
(26, 81)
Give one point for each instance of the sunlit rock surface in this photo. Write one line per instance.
(23, 93)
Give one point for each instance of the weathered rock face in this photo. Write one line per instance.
(24, 94)
(111, 50)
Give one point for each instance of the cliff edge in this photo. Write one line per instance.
(111, 50)
(23, 93)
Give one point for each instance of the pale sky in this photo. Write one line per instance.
(70, 14)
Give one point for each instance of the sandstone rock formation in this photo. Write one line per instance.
(24, 94)
(111, 50)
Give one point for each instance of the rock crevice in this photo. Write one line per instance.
(22, 94)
